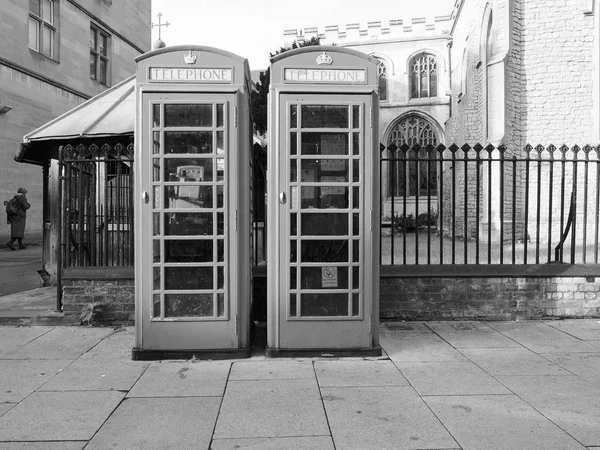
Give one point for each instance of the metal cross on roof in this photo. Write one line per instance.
(160, 24)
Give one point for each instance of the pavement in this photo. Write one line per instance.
(439, 385)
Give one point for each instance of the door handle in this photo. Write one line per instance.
(282, 198)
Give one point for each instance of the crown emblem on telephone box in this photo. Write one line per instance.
(324, 59)
(189, 58)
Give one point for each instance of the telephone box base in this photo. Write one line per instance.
(322, 353)
(138, 354)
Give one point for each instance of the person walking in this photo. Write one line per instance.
(17, 219)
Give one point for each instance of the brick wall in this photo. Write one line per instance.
(100, 295)
(488, 298)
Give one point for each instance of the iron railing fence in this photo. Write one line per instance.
(494, 205)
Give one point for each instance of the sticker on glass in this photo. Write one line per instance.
(329, 276)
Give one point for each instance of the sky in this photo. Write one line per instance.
(254, 28)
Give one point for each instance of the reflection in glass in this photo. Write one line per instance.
(156, 197)
(355, 116)
(189, 305)
(220, 250)
(324, 143)
(316, 278)
(220, 169)
(319, 168)
(293, 251)
(293, 116)
(188, 251)
(188, 115)
(293, 224)
(320, 305)
(156, 170)
(156, 305)
(356, 304)
(155, 142)
(324, 116)
(193, 142)
(324, 224)
(219, 115)
(186, 170)
(293, 307)
(188, 224)
(293, 143)
(188, 197)
(220, 224)
(293, 171)
(156, 278)
(324, 197)
(156, 224)
(323, 251)
(185, 278)
(156, 250)
(356, 143)
(220, 305)
(219, 196)
(220, 143)
(156, 116)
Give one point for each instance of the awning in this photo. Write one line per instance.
(109, 117)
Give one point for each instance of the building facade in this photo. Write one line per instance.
(56, 54)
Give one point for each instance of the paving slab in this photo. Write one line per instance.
(291, 443)
(114, 347)
(5, 407)
(95, 375)
(182, 379)
(271, 408)
(512, 361)
(498, 422)
(449, 378)
(586, 365)
(11, 338)
(412, 327)
(542, 338)
(19, 378)
(58, 416)
(358, 373)
(584, 329)
(60, 343)
(273, 369)
(404, 346)
(159, 423)
(471, 334)
(570, 402)
(64, 445)
(383, 418)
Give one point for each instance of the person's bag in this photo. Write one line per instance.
(12, 206)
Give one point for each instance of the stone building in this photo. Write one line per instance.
(56, 54)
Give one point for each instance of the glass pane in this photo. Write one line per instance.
(156, 198)
(220, 169)
(320, 305)
(324, 251)
(103, 44)
(188, 224)
(356, 143)
(33, 34)
(356, 224)
(329, 277)
(356, 170)
(155, 117)
(293, 224)
(102, 71)
(93, 65)
(220, 278)
(294, 116)
(156, 142)
(188, 142)
(293, 277)
(355, 197)
(47, 39)
(156, 224)
(355, 251)
(324, 144)
(355, 116)
(220, 250)
(356, 278)
(220, 224)
(219, 115)
(156, 278)
(196, 305)
(293, 171)
(34, 7)
(219, 196)
(184, 278)
(156, 251)
(324, 116)
(293, 143)
(356, 304)
(156, 170)
(293, 250)
(188, 197)
(188, 116)
(315, 169)
(156, 305)
(324, 197)
(324, 224)
(293, 308)
(93, 34)
(189, 251)
(187, 170)
(220, 305)
(220, 145)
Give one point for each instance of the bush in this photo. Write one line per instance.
(409, 223)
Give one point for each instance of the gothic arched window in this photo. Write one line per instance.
(382, 71)
(405, 175)
(423, 76)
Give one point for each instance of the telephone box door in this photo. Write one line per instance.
(324, 222)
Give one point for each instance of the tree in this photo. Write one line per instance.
(258, 98)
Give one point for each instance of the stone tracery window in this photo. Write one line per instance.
(382, 72)
(423, 76)
(405, 175)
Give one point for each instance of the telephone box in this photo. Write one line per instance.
(192, 187)
(323, 204)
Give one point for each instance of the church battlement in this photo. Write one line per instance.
(373, 31)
